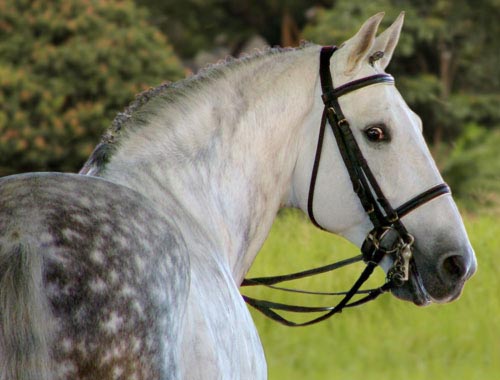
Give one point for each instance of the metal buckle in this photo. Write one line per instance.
(341, 122)
(393, 218)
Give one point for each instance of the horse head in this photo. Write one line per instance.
(389, 136)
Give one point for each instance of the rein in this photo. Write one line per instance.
(389, 235)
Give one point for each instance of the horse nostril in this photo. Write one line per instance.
(454, 268)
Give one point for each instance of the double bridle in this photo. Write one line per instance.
(389, 236)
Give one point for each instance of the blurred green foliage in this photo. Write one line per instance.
(195, 25)
(66, 68)
(473, 169)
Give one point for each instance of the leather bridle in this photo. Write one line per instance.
(389, 236)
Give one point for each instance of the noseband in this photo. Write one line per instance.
(389, 236)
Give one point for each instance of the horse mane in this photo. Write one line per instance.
(137, 113)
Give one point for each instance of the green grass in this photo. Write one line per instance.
(388, 338)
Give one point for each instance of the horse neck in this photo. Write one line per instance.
(221, 163)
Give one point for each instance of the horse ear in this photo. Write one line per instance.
(387, 41)
(361, 44)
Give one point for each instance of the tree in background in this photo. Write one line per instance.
(447, 60)
(66, 68)
(195, 25)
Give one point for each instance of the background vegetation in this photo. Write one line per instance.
(68, 66)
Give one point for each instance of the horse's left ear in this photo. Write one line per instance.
(386, 42)
(359, 47)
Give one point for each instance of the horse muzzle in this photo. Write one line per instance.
(437, 281)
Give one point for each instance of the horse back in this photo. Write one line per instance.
(93, 281)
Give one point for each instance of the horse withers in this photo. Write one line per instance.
(131, 269)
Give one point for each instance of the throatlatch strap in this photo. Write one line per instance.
(326, 82)
(314, 173)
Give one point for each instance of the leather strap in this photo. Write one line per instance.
(422, 198)
(298, 275)
(314, 173)
(268, 308)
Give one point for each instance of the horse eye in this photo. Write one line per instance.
(376, 133)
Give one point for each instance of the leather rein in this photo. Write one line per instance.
(389, 236)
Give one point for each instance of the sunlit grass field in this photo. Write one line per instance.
(388, 338)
